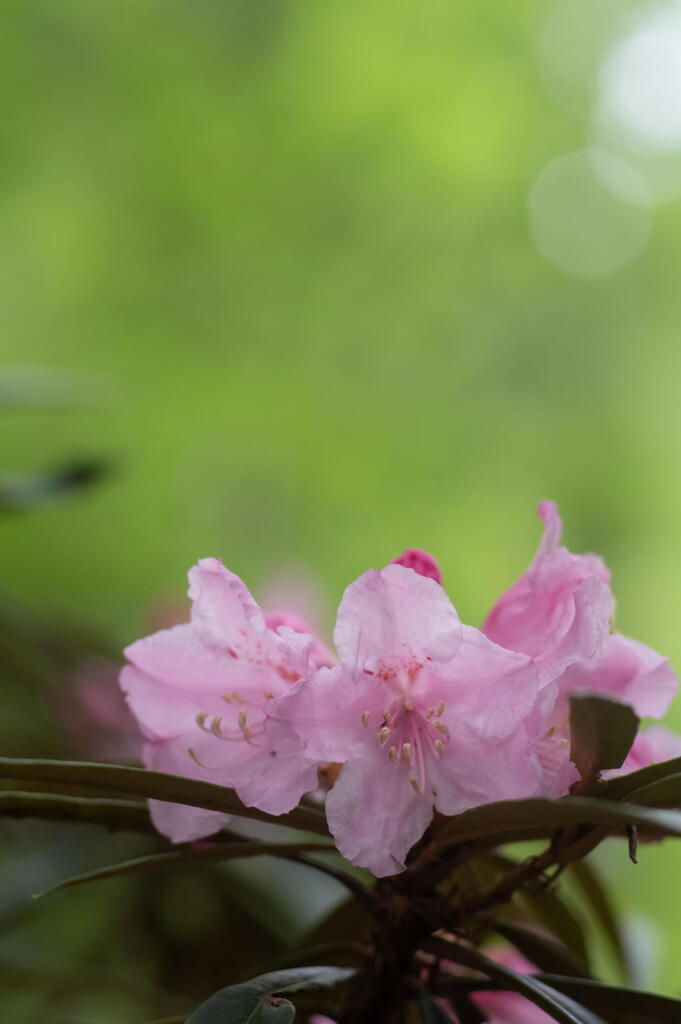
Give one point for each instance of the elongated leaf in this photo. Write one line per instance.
(259, 1001)
(664, 792)
(545, 952)
(191, 856)
(138, 782)
(602, 731)
(621, 787)
(618, 1005)
(557, 1004)
(118, 815)
(499, 820)
(597, 897)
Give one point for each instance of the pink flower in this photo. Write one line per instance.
(421, 562)
(560, 612)
(422, 711)
(200, 693)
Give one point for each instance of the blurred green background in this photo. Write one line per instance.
(299, 274)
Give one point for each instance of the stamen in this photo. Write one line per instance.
(386, 716)
(408, 752)
(442, 728)
(201, 720)
(383, 735)
(430, 712)
(366, 715)
(242, 719)
(414, 783)
(440, 708)
(439, 748)
(215, 726)
(394, 754)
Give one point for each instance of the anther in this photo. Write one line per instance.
(365, 718)
(242, 719)
(439, 748)
(215, 726)
(414, 783)
(439, 709)
(430, 712)
(201, 720)
(408, 752)
(393, 754)
(383, 735)
(442, 728)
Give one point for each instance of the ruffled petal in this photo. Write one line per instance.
(395, 611)
(180, 823)
(629, 671)
(322, 716)
(223, 608)
(375, 815)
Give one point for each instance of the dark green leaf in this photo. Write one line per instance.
(259, 1001)
(598, 899)
(664, 792)
(623, 786)
(138, 782)
(499, 821)
(544, 952)
(123, 815)
(602, 731)
(190, 856)
(618, 1005)
(558, 1005)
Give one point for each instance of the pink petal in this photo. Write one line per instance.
(180, 823)
(322, 715)
(629, 671)
(375, 816)
(395, 611)
(223, 607)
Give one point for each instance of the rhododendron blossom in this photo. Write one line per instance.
(422, 711)
(560, 612)
(200, 692)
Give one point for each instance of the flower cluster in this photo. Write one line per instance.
(420, 711)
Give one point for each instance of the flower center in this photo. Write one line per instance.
(409, 732)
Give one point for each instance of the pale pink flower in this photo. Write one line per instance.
(200, 693)
(560, 612)
(422, 711)
(421, 562)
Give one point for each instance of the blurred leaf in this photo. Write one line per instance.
(558, 1005)
(46, 388)
(545, 905)
(602, 731)
(258, 1001)
(20, 492)
(619, 1005)
(664, 792)
(349, 921)
(189, 857)
(124, 815)
(541, 950)
(498, 821)
(431, 1013)
(598, 899)
(138, 782)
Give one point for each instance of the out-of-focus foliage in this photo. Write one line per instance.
(287, 248)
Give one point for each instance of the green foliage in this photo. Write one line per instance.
(259, 1001)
